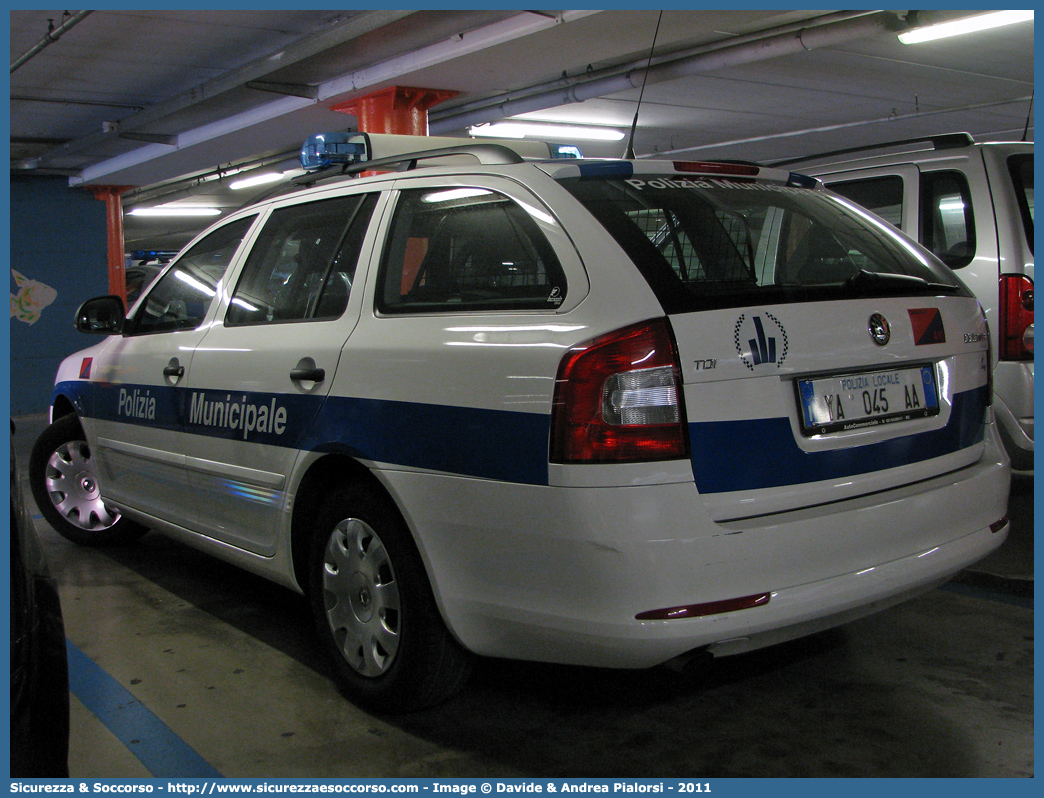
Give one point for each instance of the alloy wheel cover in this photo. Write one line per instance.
(362, 600)
(72, 486)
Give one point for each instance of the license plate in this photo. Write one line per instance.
(866, 399)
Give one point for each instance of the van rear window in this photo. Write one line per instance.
(1021, 169)
(708, 242)
(882, 195)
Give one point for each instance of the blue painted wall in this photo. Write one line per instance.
(58, 240)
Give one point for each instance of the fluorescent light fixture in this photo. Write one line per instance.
(518, 130)
(257, 180)
(175, 210)
(958, 27)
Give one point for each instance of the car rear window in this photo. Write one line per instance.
(706, 242)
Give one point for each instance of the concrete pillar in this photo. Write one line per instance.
(398, 109)
(110, 195)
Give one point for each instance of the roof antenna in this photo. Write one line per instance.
(629, 154)
(1029, 114)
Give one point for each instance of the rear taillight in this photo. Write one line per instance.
(618, 399)
(1016, 317)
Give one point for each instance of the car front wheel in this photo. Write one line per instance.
(65, 486)
(374, 608)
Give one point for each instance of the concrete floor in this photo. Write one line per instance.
(211, 671)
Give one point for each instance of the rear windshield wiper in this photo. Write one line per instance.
(866, 283)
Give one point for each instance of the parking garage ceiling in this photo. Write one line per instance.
(174, 103)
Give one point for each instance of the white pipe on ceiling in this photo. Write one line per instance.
(773, 46)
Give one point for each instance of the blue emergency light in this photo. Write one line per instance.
(565, 151)
(326, 149)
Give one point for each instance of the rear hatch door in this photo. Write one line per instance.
(823, 353)
(803, 404)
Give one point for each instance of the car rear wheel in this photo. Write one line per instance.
(66, 489)
(374, 608)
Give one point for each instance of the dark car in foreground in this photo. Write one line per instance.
(39, 669)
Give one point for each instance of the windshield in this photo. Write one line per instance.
(707, 242)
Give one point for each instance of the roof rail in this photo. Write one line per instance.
(404, 153)
(486, 153)
(944, 141)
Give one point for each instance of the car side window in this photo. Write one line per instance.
(947, 221)
(303, 262)
(464, 249)
(180, 299)
(882, 195)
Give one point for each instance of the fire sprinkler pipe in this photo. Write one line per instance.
(560, 83)
(51, 37)
(809, 38)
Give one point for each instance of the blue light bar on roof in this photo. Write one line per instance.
(797, 180)
(607, 169)
(326, 149)
(565, 151)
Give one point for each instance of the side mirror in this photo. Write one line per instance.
(103, 315)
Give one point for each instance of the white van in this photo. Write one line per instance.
(972, 205)
(604, 413)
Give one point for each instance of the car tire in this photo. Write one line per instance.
(374, 608)
(65, 486)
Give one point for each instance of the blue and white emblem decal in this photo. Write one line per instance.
(760, 340)
(879, 329)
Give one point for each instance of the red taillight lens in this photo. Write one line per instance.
(703, 610)
(618, 399)
(1016, 317)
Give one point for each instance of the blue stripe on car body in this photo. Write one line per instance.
(762, 453)
(509, 446)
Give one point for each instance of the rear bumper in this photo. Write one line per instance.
(791, 613)
(798, 611)
(1013, 407)
(562, 578)
(1017, 434)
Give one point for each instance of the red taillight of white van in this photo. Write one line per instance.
(1016, 317)
(618, 399)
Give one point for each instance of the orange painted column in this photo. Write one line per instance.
(398, 109)
(110, 195)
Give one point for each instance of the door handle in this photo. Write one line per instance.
(308, 374)
(174, 369)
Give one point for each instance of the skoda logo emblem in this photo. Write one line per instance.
(880, 332)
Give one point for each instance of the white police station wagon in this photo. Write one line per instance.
(606, 413)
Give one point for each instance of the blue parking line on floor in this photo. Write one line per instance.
(158, 748)
(975, 591)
